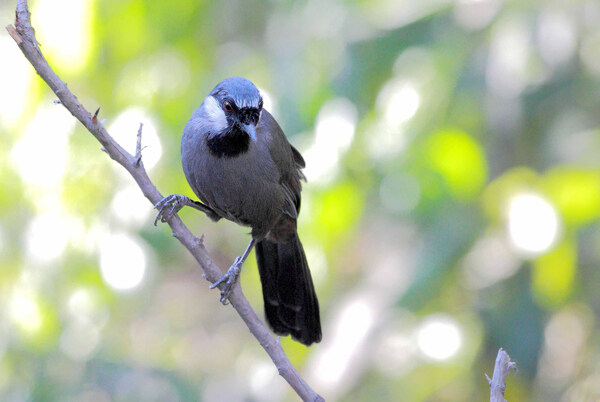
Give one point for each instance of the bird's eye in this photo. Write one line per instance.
(227, 106)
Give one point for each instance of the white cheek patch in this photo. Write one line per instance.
(215, 114)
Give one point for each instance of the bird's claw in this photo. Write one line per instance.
(176, 201)
(229, 280)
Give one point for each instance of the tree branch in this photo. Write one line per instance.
(498, 381)
(24, 35)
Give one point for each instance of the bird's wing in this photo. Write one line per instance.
(298, 158)
(287, 159)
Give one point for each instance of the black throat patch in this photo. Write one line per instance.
(228, 144)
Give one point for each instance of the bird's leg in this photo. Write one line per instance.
(232, 275)
(171, 204)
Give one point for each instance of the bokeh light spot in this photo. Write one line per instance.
(269, 102)
(476, 14)
(489, 262)
(263, 382)
(557, 37)
(41, 158)
(79, 340)
(15, 81)
(165, 74)
(439, 337)
(64, 27)
(25, 311)
(507, 70)
(124, 130)
(122, 262)
(130, 206)
(85, 304)
(334, 132)
(533, 224)
(46, 237)
(399, 100)
(350, 331)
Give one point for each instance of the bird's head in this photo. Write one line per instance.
(234, 106)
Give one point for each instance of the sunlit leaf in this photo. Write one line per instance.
(553, 275)
(460, 160)
(338, 211)
(576, 193)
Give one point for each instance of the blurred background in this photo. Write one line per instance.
(452, 204)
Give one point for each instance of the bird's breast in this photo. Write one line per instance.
(243, 188)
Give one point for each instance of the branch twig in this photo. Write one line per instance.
(498, 381)
(24, 35)
(138, 147)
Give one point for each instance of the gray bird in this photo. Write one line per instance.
(241, 166)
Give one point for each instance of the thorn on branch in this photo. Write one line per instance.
(95, 116)
(138, 147)
(199, 241)
(14, 34)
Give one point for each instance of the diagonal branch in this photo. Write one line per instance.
(24, 36)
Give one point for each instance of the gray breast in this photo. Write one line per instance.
(244, 188)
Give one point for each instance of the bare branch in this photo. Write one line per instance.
(24, 35)
(138, 147)
(498, 381)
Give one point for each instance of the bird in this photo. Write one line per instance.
(239, 163)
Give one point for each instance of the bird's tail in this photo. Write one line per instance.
(291, 304)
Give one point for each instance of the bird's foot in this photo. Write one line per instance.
(169, 206)
(229, 280)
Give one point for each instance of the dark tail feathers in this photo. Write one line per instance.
(291, 304)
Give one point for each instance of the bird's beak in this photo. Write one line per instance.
(250, 129)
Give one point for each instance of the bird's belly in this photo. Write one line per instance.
(238, 190)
